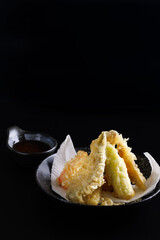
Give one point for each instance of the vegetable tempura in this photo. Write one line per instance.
(90, 177)
(110, 166)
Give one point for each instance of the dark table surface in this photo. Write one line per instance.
(27, 212)
(77, 69)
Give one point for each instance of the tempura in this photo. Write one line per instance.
(110, 167)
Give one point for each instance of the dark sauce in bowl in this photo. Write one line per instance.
(31, 146)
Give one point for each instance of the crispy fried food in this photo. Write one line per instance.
(71, 168)
(94, 198)
(105, 201)
(90, 176)
(109, 167)
(116, 173)
(106, 186)
(125, 152)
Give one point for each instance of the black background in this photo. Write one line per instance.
(77, 68)
(84, 53)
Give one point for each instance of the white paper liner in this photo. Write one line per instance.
(63, 155)
(67, 151)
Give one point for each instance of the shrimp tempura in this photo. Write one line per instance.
(71, 168)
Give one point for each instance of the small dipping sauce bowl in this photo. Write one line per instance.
(29, 148)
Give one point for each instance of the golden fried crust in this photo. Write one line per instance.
(125, 152)
(90, 177)
(109, 167)
(134, 173)
(116, 173)
(94, 198)
(71, 168)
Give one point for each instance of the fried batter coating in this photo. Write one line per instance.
(116, 173)
(105, 201)
(71, 168)
(109, 167)
(94, 198)
(125, 152)
(90, 176)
